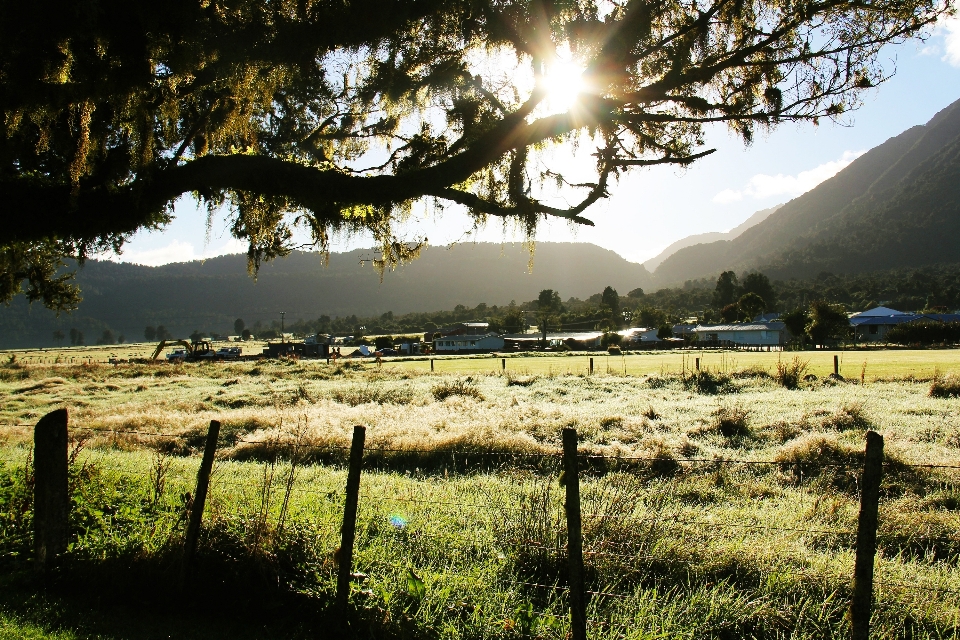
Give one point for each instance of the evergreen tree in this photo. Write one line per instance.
(760, 285)
(548, 306)
(727, 290)
(115, 110)
(827, 322)
(751, 305)
(610, 305)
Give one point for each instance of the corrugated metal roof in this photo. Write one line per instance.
(880, 311)
(751, 326)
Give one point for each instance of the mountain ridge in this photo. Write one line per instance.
(879, 177)
(209, 295)
(710, 236)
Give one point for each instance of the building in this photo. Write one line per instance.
(575, 340)
(459, 343)
(752, 334)
(873, 325)
(639, 337)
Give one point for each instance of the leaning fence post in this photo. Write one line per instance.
(571, 475)
(51, 504)
(862, 600)
(200, 496)
(349, 529)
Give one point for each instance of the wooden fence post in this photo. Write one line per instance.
(591, 365)
(51, 503)
(698, 363)
(571, 474)
(862, 600)
(431, 364)
(836, 365)
(503, 364)
(349, 529)
(200, 497)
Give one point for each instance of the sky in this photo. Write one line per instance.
(654, 207)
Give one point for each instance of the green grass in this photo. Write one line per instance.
(691, 549)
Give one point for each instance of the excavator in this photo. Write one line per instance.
(191, 351)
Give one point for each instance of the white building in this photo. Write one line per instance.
(753, 334)
(468, 343)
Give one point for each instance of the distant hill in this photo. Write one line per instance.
(710, 236)
(898, 205)
(209, 295)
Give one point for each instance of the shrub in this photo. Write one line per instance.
(707, 382)
(945, 386)
(458, 387)
(925, 332)
(789, 375)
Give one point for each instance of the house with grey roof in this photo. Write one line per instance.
(748, 334)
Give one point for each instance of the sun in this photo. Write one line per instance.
(563, 82)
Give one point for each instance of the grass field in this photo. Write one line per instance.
(880, 363)
(684, 537)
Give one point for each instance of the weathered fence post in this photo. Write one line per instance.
(200, 497)
(503, 364)
(51, 504)
(836, 365)
(349, 529)
(862, 600)
(571, 475)
(431, 364)
(591, 365)
(698, 363)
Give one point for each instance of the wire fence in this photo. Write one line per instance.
(645, 521)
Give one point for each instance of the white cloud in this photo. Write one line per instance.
(950, 27)
(176, 251)
(763, 186)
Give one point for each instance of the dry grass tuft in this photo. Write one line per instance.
(520, 381)
(849, 416)
(790, 374)
(945, 386)
(708, 382)
(356, 395)
(459, 387)
(731, 422)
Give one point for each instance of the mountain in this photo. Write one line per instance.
(898, 205)
(710, 236)
(209, 295)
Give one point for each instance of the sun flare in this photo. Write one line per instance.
(563, 82)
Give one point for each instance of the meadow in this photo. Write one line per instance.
(719, 503)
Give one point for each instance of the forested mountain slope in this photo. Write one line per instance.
(209, 295)
(889, 208)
